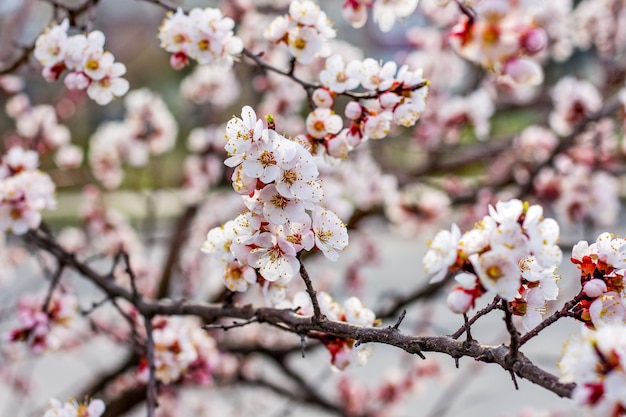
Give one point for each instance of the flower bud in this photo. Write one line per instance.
(459, 301)
(323, 98)
(353, 110)
(76, 81)
(535, 40)
(524, 71)
(594, 288)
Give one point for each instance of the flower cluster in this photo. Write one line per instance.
(305, 30)
(73, 408)
(147, 129)
(397, 96)
(39, 127)
(205, 35)
(181, 349)
(90, 66)
(601, 266)
(597, 364)
(501, 36)
(343, 351)
(574, 101)
(24, 191)
(41, 329)
(385, 12)
(512, 252)
(279, 181)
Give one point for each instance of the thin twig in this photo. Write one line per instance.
(151, 388)
(317, 313)
(510, 327)
(396, 326)
(53, 284)
(234, 325)
(563, 312)
(490, 307)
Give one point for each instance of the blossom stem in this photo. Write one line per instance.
(564, 312)
(492, 306)
(151, 388)
(515, 337)
(317, 313)
(53, 284)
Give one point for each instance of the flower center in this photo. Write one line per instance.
(92, 65)
(266, 159)
(299, 43)
(494, 272)
(204, 44)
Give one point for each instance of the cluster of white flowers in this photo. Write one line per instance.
(210, 85)
(512, 252)
(502, 37)
(43, 330)
(306, 30)
(205, 35)
(40, 126)
(279, 181)
(181, 349)
(90, 66)
(398, 96)
(147, 129)
(385, 12)
(24, 191)
(574, 101)
(73, 408)
(597, 364)
(342, 351)
(475, 108)
(601, 267)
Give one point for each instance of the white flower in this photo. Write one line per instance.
(304, 12)
(357, 314)
(298, 177)
(607, 309)
(386, 12)
(279, 209)
(477, 239)
(372, 76)
(238, 277)
(331, 233)
(275, 258)
(219, 241)
(442, 253)
(305, 43)
(329, 307)
(50, 46)
(460, 300)
(335, 74)
(96, 63)
(240, 133)
(264, 157)
(321, 122)
(277, 29)
(507, 211)
(535, 308)
(378, 126)
(174, 32)
(111, 85)
(498, 272)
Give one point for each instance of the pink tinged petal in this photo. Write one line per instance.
(498, 273)
(119, 86)
(524, 71)
(96, 408)
(594, 288)
(606, 309)
(459, 301)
